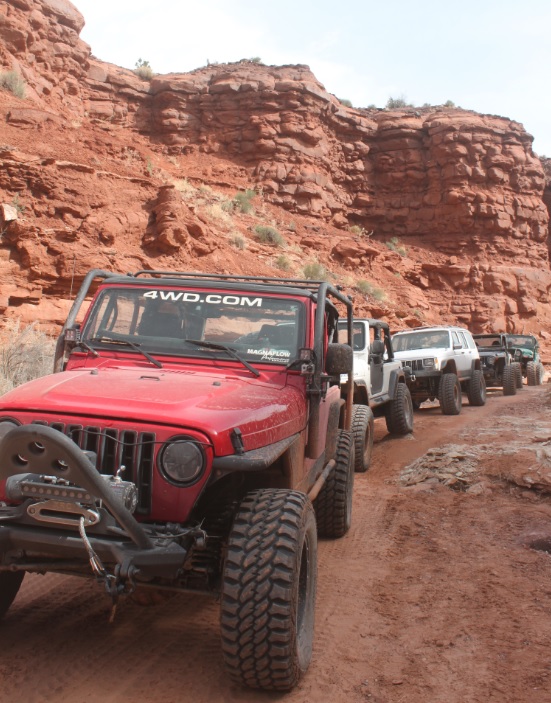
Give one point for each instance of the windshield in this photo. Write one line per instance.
(421, 340)
(488, 340)
(258, 327)
(521, 340)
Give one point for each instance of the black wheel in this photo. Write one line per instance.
(518, 372)
(509, 380)
(532, 373)
(269, 590)
(399, 414)
(476, 388)
(10, 583)
(449, 394)
(333, 505)
(363, 426)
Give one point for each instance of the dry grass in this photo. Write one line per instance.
(25, 353)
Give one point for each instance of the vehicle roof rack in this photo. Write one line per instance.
(296, 282)
(311, 286)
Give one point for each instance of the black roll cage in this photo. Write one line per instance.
(319, 291)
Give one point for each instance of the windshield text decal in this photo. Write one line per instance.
(279, 356)
(210, 298)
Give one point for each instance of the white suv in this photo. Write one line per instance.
(440, 363)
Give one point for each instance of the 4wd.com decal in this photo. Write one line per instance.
(210, 298)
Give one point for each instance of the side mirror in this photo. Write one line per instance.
(339, 359)
(458, 346)
(377, 347)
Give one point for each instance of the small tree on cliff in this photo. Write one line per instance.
(143, 70)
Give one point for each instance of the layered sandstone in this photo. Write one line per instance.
(444, 208)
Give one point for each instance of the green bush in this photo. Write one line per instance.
(269, 235)
(346, 103)
(14, 82)
(394, 245)
(366, 288)
(314, 271)
(283, 263)
(242, 201)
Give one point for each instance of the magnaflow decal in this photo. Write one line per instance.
(280, 356)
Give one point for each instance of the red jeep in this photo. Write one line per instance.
(193, 437)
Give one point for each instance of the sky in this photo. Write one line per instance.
(491, 56)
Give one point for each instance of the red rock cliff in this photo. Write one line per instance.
(442, 208)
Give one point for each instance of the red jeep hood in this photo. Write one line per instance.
(210, 402)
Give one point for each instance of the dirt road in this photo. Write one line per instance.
(435, 595)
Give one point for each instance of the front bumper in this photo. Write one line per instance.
(45, 533)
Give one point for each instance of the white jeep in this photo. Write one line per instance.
(380, 388)
(441, 363)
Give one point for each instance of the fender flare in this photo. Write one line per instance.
(396, 377)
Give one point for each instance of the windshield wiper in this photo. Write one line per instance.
(228, 350)
(132, 345)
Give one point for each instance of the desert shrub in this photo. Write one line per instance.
(25, 353)
(394, 103)
(283, 263)
(449, 103)
(346, 103)
(183, 186)
(269, 235)
(216, 211)
(314, 271)
(14, 82)
(17, 204)
(238, 242)
(367, 288)
(143, 70)
(394, 245)
(361, 231)
(242, 201)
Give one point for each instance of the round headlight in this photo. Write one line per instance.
(182, 460)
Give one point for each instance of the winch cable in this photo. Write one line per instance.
(102, 575)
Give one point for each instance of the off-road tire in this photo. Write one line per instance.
(532, 373)
(509, 380)
(269, 590)
(518, 372)
(333, 505)
(399, 414)
(476, 389)
(10, 583)
(449, 394)
(363, 428)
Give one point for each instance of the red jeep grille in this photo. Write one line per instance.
(115, 448)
